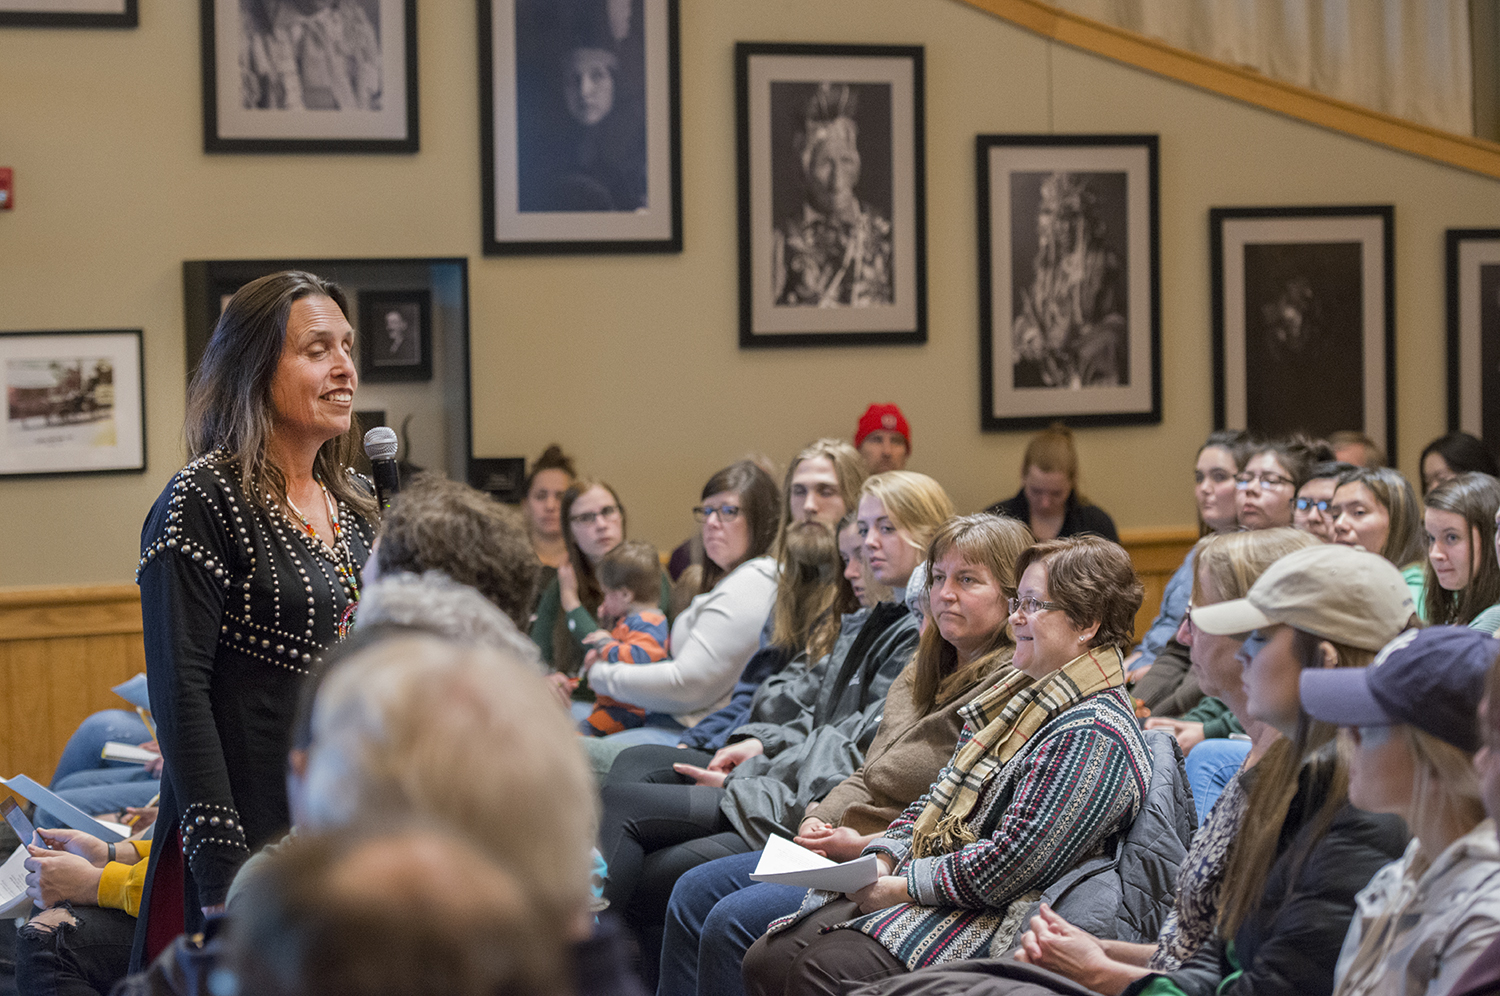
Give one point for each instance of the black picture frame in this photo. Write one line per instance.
(536, 199)
(86, 16)
(387, 123)
(1472, 256)
(1304, 320)
(875, 296)
(75, 403)
(400, 350)
(1034, 369)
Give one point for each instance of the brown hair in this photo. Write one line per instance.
(1475, 497)
(811, 593)
(566, 656)
(1403, 542)
(1296, 453)
(757, 496)
(552, 458)
(1092, 580)
(442, 525)
(634, 565)
(1233, 561)
(229, 404)
(993, 542)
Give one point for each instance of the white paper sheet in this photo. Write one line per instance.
(787, 863)
(69, 814)
(13, 899)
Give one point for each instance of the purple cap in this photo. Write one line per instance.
(1429, 678)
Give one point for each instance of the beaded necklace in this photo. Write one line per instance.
(343, 559)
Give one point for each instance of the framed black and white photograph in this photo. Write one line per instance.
(75, 403)
(581, 147)
(309, 75)
(395, 335)
(832, 204)
(1304, 320)
(1474, 332)
(1069, 280)
(69, 13)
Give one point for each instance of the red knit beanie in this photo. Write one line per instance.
(887, 417)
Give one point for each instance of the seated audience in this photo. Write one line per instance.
(1410, 718)
(630, 576)
(1049, 502)
(436, 603)
(1356, 448)
(1051, 765)
(551, 475)
(84, 778)
(883, 438)
(1482, 978)
(1274, 470)
(1453, 454)
(1462, 579)
(1310, 513)
(1375, 510)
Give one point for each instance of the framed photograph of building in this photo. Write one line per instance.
(75, 403)
(1304, 325)
(832, 202)
(1069, 280)
(395, 335)
(290, 76)
(1474, 332)
(581, 146)
(69, 13)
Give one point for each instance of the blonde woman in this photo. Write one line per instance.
(1049, 502)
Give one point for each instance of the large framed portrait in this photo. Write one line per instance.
(1069, 280)
(1474, 332)
(75, 403)
(69, 13)
(581, 146)
(395, 335)
(294, 76)
(832, 203)
(1304, 323)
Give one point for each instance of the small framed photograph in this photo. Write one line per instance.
(1474, 332)
(832, 203)
(69, 13)
(395, 335)
(292, 76)
(1069, 280)
(1304, 320)
(581, 147)
(75, 403)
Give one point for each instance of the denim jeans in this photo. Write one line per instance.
(1210, 766)
(80, 959)
(86, 743)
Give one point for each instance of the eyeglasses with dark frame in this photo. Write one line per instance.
(726, 513)
(587, 518)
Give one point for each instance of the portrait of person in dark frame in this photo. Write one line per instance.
(310, 55)
(395, 336)
(580, 106)
(831, 189)
(1489, 352)
(401, 343)
(1304, 338)
(1070, 303)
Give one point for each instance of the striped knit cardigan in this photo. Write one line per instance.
(1075, 785)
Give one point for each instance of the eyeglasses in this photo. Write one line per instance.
(1243, 481)
(726, 513)
(1303, 504)
(1030, 606)
(587, 518)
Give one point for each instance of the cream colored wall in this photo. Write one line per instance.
(632, 362)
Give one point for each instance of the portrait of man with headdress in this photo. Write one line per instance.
(834, 248)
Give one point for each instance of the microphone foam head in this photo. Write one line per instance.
(380, 443)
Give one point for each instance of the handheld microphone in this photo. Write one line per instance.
(380, 447)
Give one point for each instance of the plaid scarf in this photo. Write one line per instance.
(1005, 718)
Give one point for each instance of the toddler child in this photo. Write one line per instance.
(630, 576)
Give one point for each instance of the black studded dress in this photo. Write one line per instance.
(237, 605)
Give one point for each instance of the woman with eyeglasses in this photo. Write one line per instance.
(1462, 582)
(1310, 511)
(1274, 470)
(1375, 509)
(593, 524)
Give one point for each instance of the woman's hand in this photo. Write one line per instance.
(1055, 944)
(885, 892)
(701, 776)
(834, 843)
(153, 766)
(140, 819)
(1188, 733)
(563, 686)
(85, 845)
(567, 586)
(736, 754)
(57, 877)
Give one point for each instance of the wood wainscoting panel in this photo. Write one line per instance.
(1156, 554)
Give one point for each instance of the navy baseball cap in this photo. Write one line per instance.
(1429, 678)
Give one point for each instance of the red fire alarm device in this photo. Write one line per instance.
(7, 189)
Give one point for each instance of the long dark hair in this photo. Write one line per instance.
(229, 401)
(1475, 497)
(758, 501)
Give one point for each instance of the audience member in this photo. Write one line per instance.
(630, 576)
(442, 525)
(1482, 978)
(97, 786)
(1462, 579)
(550, 476)
(1049, 502)
(1310, 513)
(1376, 510)
(1274, 470)
(883, 438)
(436, 603)
(264, 521)
(1410, 718)
(1453, 454)
(961, 865)
(1356, 448)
